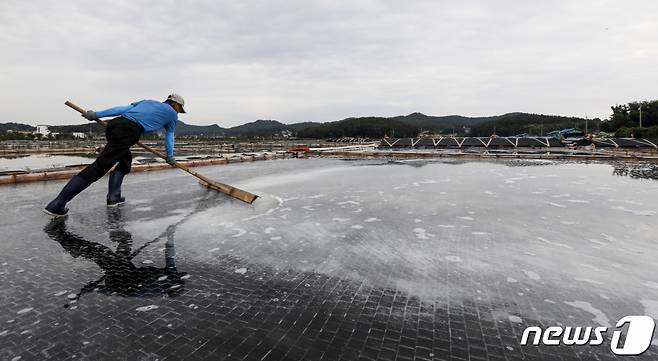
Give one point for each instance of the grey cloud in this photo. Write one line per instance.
(237, 61)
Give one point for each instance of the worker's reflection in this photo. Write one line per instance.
(121, 276)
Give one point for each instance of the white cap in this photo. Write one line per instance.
(178, 99)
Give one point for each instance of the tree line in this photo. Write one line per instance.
(625, 120)
(367, 127)
(531, 124)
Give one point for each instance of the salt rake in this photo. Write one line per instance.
(218, 186)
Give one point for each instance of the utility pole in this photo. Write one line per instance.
(541, 128)
(640, 115)
(586, 125)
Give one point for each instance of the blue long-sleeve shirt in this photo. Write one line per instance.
(152, 115)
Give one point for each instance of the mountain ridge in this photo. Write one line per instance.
(401, 125)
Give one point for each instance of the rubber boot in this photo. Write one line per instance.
(114, 197)
(57, 207)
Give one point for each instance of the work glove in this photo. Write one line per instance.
(170, 160)
(90, 115)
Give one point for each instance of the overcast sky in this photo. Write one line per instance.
(238, 61)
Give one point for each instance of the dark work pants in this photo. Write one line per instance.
(121, 134)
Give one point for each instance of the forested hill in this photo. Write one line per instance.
(399, 126)
(534, 124)
(181, 129)
(624, 122)
(364, 127)
(11, 126)
(442, 124)
(259, 128)
(368, 127)
(410, 125)
(189, 129)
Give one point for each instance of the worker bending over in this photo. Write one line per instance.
(122, 132)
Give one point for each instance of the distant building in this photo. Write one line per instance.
(43, 130)
(427, 134)
(79, 135)
(567, 133)
(283, 134)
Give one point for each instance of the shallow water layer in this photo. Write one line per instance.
(472, 252)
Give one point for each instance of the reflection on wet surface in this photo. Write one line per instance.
(120, 276)
(645, 171)
(336, 260)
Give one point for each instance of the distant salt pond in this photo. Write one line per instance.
(46, 161)
(40, 161)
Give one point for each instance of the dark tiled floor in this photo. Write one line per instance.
(144, 283)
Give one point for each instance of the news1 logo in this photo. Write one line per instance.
(637, 338)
